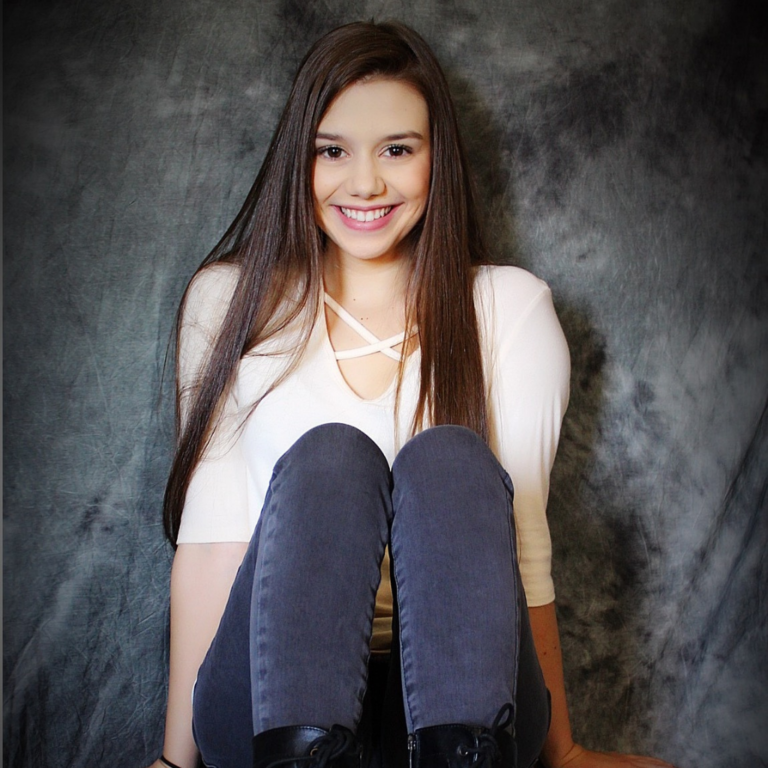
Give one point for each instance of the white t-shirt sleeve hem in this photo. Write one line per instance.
(530, 375)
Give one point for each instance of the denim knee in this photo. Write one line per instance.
(444, 439)
(445, 449)
(338, 451)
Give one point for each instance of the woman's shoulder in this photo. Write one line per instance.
(210, 291)
(214, 279)
(508, 291)
(520, 325)
(504, 278)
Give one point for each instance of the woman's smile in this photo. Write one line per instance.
(366, 218)
(372, 169)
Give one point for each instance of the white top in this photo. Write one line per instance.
(375, 344)
(527, 367)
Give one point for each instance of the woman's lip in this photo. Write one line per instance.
(366, 226)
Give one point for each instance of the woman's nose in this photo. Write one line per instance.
(365, 179)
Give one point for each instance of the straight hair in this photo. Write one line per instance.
(278, 247)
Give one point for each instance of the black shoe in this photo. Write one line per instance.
(304, 746)
(465, 746)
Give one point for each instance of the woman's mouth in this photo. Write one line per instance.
(366, 220)
(369, 215)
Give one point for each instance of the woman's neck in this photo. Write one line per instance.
(366, 286)
(373, 292)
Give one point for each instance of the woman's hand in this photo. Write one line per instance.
(578, 757)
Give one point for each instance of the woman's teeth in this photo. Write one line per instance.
(351, 213)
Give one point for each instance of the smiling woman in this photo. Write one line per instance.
(353, 583)
(372, 171)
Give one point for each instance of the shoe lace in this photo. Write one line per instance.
(323, 750)
(337, 742)
(486, 751)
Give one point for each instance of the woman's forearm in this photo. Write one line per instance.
(546, 638)
(201, 579)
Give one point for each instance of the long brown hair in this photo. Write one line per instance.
(279, 248)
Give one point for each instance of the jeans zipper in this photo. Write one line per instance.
(411, 749)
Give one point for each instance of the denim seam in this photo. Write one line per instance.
(405, 665)
(515, 585)
(260, 584)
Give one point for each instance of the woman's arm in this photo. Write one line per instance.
(201, 579)
(559, 749)
(202, 574)
(546, 638)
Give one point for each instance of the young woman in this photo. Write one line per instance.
(357, 579)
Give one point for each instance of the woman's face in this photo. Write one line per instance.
(372, 169)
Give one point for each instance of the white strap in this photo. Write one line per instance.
(385, 346)
(376, 345)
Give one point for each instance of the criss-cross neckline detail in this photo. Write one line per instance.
(375, 344)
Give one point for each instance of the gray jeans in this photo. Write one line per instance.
(292, 646)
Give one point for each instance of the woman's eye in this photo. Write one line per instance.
(331, 152)
(398, 150)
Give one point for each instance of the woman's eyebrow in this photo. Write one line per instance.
(391, 137)
(406, 135)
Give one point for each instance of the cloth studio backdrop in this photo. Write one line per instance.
(620, 149)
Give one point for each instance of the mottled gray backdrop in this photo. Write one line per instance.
(621, 147)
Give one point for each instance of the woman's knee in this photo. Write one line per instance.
(448, 480)
(332, 475)
(332, 452)
(446, 450)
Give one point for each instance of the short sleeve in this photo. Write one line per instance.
(530, 379)
(216, 505)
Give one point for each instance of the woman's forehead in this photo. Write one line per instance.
(379, 103)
